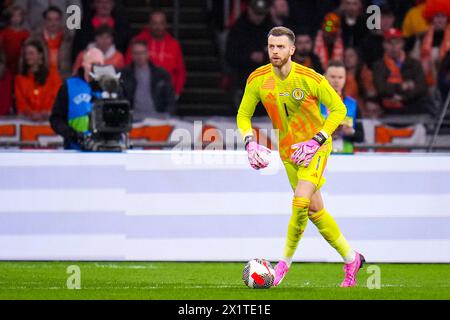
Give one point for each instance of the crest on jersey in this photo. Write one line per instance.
(298, 94)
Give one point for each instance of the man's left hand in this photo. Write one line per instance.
(304, 152)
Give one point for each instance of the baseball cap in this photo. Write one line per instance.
(392, 33)
(260, 7)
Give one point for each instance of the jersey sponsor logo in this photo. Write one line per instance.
(284, 94)
(298, 94)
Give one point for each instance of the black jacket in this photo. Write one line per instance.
(161, 87)
(410, 70)
(415, 101)
(372, 48)
(352, 36)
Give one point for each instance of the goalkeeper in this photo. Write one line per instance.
(291, 95)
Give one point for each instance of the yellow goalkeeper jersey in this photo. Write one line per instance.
(293, 105)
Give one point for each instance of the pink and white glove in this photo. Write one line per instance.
(305, 151)
(258, 155)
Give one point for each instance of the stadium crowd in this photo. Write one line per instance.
(402, 67)
(38, 53)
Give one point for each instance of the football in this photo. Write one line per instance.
(258, 274)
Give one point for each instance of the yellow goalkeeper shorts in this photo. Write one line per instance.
(313, 173)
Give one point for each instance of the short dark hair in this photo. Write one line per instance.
(374, 99)
(303, 34)
(336, 64)
(52, 9)
(139, 42)
(10, 11)
(282, 31)
(386, 10)
(103, 29)
(302, 31)
(157, 11)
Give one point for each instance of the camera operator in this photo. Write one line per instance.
(72, 107)
(90, 111)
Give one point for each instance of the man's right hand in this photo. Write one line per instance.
(258, 155)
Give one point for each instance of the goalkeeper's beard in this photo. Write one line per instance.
(279, 63)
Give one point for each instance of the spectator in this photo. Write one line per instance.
(279, 11)
(328, 44)
(70, 113)
(304, 54)
(36, 8)
(104, 12)
(164, 50)
(349, 131)
(399, 80)
(104, 41)
(247, 42)
(372, 44)
(436, 42)
(87, 6)
(13, 37)
(400, 9)
(58, 42)
(359, 79)
(413, 28)
(148, 87)
(309, 14)
(6, 82)
(414, 23)
(353, 22)
(37, 85)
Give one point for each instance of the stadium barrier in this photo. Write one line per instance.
(211, 206)
(221, 133)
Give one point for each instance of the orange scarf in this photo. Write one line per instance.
(427, 46)
(395, 77)
(321, 50)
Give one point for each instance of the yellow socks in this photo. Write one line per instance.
(329, 229)
(327, 226)
(296, 227)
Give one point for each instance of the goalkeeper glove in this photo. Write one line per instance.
(305, 151)
(258, 155)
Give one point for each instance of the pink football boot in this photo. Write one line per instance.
(351, 269)
(280, 271)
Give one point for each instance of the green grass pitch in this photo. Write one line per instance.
(186, 281)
